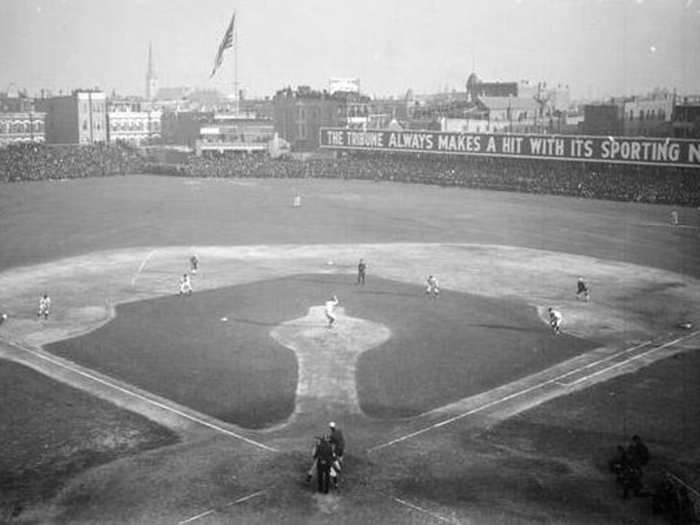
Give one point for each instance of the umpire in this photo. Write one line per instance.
(324, 457)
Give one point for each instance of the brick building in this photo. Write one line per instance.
(686, 119)
(603, 119)
(78, 118)
(298, 116)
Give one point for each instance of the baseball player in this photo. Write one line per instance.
(185, 285)
(330, 310)
(44, 306)
(193, 264)
(433, 289)
(554, 320)
(361, 271)
(582, 290)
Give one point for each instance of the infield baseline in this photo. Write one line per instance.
(142, 266)
(626, 361)
(415, 507)
(599, 361)
(211, 511)
(553, 381)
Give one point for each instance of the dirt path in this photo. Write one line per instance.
(327, 357)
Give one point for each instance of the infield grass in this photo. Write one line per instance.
(440, 350)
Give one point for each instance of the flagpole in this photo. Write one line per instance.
(235, 70)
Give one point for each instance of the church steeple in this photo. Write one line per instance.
(151, 77)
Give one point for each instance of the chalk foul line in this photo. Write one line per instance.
(421, 509)
(142, 266)
(553, 381)
(211, 511)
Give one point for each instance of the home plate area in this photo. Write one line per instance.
(392, 353)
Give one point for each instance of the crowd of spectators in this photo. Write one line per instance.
(665, 185)
(242, 166)
(599, 181)
(41, 162)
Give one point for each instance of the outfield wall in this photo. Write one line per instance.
(670, 152)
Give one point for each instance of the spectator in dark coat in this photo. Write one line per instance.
(337, 440)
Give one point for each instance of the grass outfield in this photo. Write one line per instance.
(43, 221)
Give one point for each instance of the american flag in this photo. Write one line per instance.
(225, 44)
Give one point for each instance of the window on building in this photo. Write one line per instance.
(641, 114)
(85, 125)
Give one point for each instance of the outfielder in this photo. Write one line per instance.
(361, 271)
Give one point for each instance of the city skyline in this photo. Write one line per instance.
(599, 48)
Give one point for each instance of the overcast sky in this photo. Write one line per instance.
(598, 47)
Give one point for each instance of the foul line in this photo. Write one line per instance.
(621, 363)
(522, 392)
(669, 225)
(421, 509)
(211, 511)
(679, 480)
(143, 265)
(594, 363)
(146, 399)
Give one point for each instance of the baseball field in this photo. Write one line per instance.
(134, 404)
